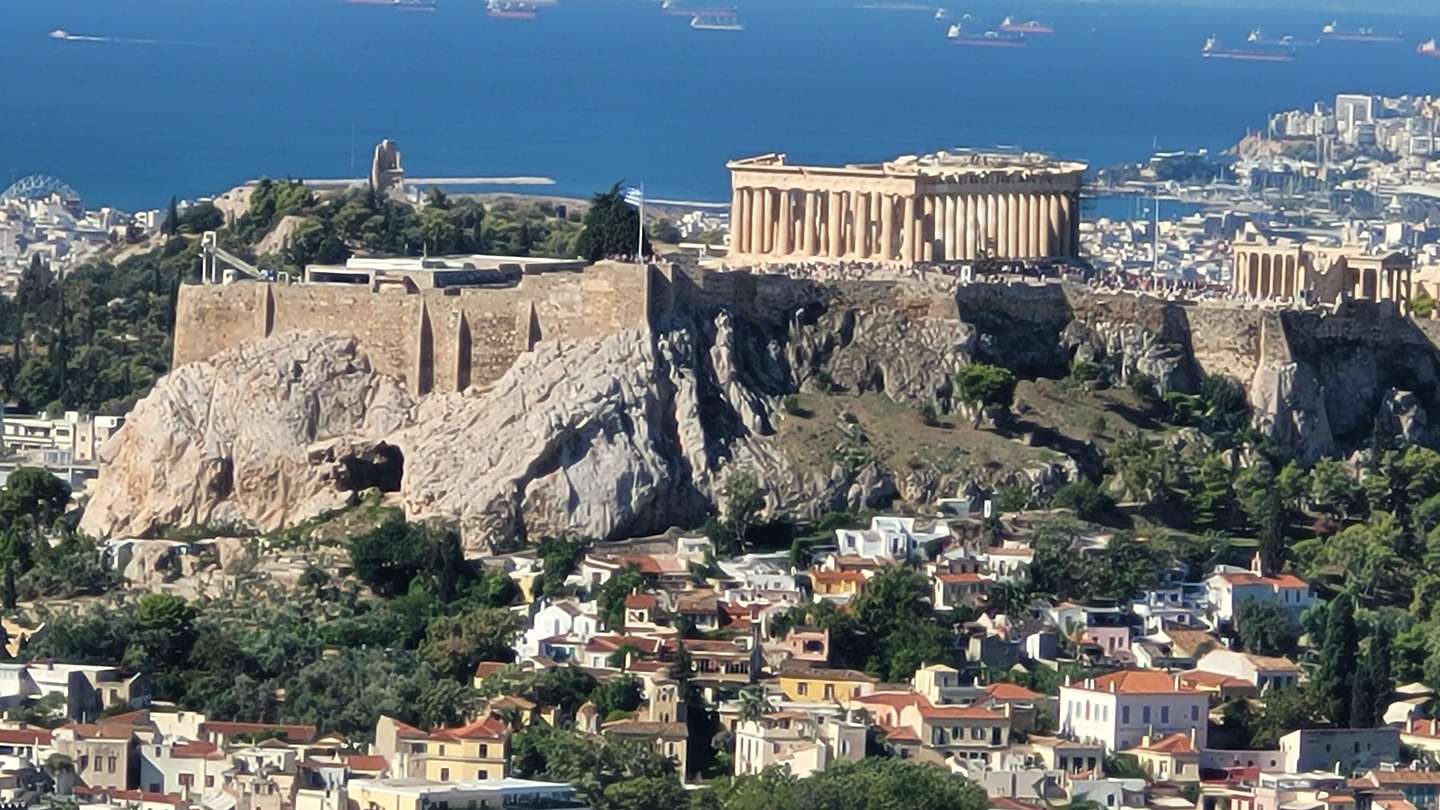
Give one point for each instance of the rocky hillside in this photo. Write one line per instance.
(640, 430)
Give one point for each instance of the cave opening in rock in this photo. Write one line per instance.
(381, 468)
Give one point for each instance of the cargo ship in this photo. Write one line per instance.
(401, 5)
(985, 39)
(716, 20)
(510, 10)
(1428, 48)
(1014, 26)
(1287, 41)
(1334, 33)
(1252, 52)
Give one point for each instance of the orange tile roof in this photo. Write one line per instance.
(25, 736)
(896, 700)
(641, 601)
(1248, 578)
(1011, 691)
(960, 579)
(362, 762)
(1174, 744)
(1134, 682)
(486, 728)
(838, 576)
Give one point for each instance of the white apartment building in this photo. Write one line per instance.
(1118, 710)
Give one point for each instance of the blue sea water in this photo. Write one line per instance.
(598, 90)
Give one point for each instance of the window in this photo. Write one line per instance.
(1164, 714)
(444, 774)
(1194, 712)
(829, 691)
(1125, 714)
(1145, 714)
(484, 751)
(209, 781)
(112, 765)
(803, 688)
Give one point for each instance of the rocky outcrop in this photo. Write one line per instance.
(640, 430)
(257, 436)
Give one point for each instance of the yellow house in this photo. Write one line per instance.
(837, 583)
(476, 751)
(1172, 759)
(814, 684)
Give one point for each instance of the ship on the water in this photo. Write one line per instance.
(1428, 48)
(1014, 26)
(1258, 38)
(985, 39)
(1251, 52)
(511, 10)
(716, 20)
(61, 33)
(1334, 33)
(399, 5)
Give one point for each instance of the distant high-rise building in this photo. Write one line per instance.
(386, 170)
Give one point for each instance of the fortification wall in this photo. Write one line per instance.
(435, 340)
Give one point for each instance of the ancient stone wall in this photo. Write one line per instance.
(435, 340)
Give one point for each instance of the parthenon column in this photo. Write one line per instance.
(887, 227)
(949, 226)
(837, 219)
(1002, 225)
(787, 223)
(907, 231)
(1027, 230)
(863, 225)
(737, 197)
(1053, 234)
(968, 240)
(1067, 211)
(808, 240)
(924, 232)
(756, 221)
(1014, 212)
(1038, 220)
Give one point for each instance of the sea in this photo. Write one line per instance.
(191, 97)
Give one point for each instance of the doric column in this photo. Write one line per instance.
(925, 233)
(887, 228)
(861, 225)
(1002, 226)
(1067, 211)
(1015, 225)
(757, 221)
(812, 202)
(907, 231)
(767, 217)
(983, 215)
(736, 216)
(967, 227)
(1024, 226)
(1007, 225)
(945, 208)
(1039, 224)
(833, 247)
(787, 223)
(1053, 232)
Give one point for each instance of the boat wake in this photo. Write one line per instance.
(66, 36)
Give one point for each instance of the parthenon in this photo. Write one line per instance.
(945, 207)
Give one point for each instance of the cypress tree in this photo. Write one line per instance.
(1373, 684)
(1336, 678)
(172, 219)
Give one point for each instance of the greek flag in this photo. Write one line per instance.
(634, 196)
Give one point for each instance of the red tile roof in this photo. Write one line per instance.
(196, 750)
(484, 669)
(641, 601)
(1134, 682)
(24, 736)
(486, 728)
(362, 762)
(1011, 691)
(960, 579)
(1174, 744)
(1249, 578)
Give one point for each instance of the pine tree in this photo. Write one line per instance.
(1336, 678)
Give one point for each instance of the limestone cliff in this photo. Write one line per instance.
(639, 430)
(266, 434)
